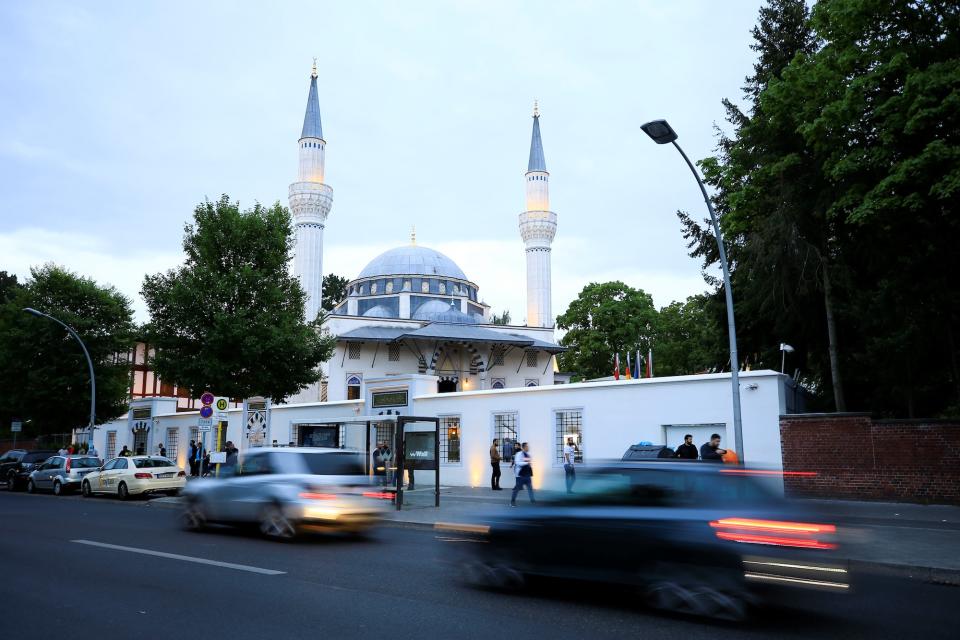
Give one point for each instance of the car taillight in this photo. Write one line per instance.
(803, 535)
(143, 476)
(312, 495)
(380, 495)
(182, 474)
(69, 460)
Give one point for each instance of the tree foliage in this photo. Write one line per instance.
(43, 372)
(334, 291)
(503, 318)
(231, 319)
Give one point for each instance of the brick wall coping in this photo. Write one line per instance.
(820, 416)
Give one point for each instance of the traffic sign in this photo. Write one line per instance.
(205, 428)
(205, 422)
(222, 404)
(206, 399)
(16, 426)
(206, 411)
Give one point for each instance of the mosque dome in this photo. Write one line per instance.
(412, 260)
(379, 311)
(440, 311)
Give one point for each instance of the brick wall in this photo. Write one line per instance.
(859, 458)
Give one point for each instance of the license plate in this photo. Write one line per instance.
(164, 475)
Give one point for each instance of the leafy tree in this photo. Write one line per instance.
(43, 371)
(8, 286)
(231, 319)
(503, 318)
(334, 291)
(688, 338)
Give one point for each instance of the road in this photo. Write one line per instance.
(394, 586)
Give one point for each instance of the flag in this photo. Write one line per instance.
(636, 366)
(650, 363)
(626, 369)
(616, 366)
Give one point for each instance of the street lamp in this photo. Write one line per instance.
(93, 382)
(784, 350)
(662, 133)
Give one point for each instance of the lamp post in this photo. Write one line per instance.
(784, 350)
(662, 133)
(93, 382)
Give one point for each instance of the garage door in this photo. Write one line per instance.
(701, 433)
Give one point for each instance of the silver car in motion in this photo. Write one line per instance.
(286, 491)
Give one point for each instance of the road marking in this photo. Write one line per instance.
(176, 556)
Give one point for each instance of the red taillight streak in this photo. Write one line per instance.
(775, 540)
(381, 495)
(309, 495)
(773, 526)
(143, 476)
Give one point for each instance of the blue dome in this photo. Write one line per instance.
(379, 311)
(412, 260)
(440, 311)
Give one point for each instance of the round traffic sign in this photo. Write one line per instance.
(222, 404)
(206, 399)
(206, 411)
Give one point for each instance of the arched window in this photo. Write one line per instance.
(498, 383)
(373, 288)
(425, 286)
(353, 386)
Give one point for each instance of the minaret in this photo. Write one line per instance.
(538, 226)
(310, 201)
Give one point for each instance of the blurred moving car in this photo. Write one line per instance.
(286, 491)
(61, 473)
(16, 465)
(135, 475)
(704, 539)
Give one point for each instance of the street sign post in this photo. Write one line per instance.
(16, 427)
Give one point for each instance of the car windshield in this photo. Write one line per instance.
(345, 463)
(37, 457)
(150, 463)
(84, 463)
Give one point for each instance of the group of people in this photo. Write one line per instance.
(88, 450)
(521, 462)
(709, 451)
(384, 469)
(199, 458)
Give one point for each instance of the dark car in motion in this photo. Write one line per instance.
(708, 540)
(16, 465)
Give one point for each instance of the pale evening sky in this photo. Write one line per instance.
(117, 118)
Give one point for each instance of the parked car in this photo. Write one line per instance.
(701, 539)
(135, 475)
(61, 473)
(16, 465)
(286, 491)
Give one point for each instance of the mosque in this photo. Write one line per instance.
(412, 309)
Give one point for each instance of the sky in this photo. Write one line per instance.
(118, 118)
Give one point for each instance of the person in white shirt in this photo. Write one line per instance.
(569, 455)
(524, 471)
(62, 452)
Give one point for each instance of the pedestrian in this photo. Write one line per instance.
(233, 456)
(569, 458)
(92, 451)
(163, 451)
(381, 460)
(711, 451)
(201, 452)
(62, 451)
(124, 453)
(70, 450)
(495, 464)
(688, 450)
(522, 463)
(192, 458)
(513, 456)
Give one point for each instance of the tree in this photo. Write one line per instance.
(334, 291)
(43, 371)
(605, 319)
(503, 318)
(231, 319)
(689, 337)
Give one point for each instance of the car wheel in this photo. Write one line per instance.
(194, 516)
(31, 488)
(12, 482)
(122, 492)
(275, 524)
(57, 488)
(86, 490)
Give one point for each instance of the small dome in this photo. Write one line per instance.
(412, 260)
(379, 311)
(440, 311)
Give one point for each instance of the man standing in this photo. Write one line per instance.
(495, 464)
(569, 456)
(232, 456)
(381, 460)
(711, 451)
(124, 453)
(192, 458)
(521, 462)
(688, 450)
(163, 451)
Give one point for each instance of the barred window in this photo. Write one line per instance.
(173, 443)
(569, 424)
(531, 358)
(505, 430)
(194, 433)
(323, 391)
(393, 352)
(295, 434)
(498, 353)
(353, 350)
(450, 439)
(111, 451)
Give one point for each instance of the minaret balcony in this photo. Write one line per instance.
(538, 228)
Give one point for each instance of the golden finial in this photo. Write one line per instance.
(313, 74)
(536, 109)
(413, 235)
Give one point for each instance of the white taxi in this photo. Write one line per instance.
(135, 475)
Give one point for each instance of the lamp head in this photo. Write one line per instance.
(659, 131)
(785, 347)
(32, 311)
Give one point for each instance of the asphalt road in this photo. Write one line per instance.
(395, 586)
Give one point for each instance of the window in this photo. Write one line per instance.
(531, 382)
(569, 424)
(389, 287)
(194, 434)
(110, 465)
(498, 356)
(406, 285)
(173, 443)
(425, 286)
(152, 463)
(450, 439)
(373, 288)
(353, 387)
(498, 383)
(443, 287)
(255, 465)
(353, 350)
(121, 464)
(393, 352)
(323, 391)
(111, 444)
(505, 430)
(531, 358)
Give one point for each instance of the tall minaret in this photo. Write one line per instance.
(538, 226)
(310, 201)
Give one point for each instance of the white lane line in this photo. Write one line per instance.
(176, 556)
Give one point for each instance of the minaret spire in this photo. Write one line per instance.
(537, 162)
